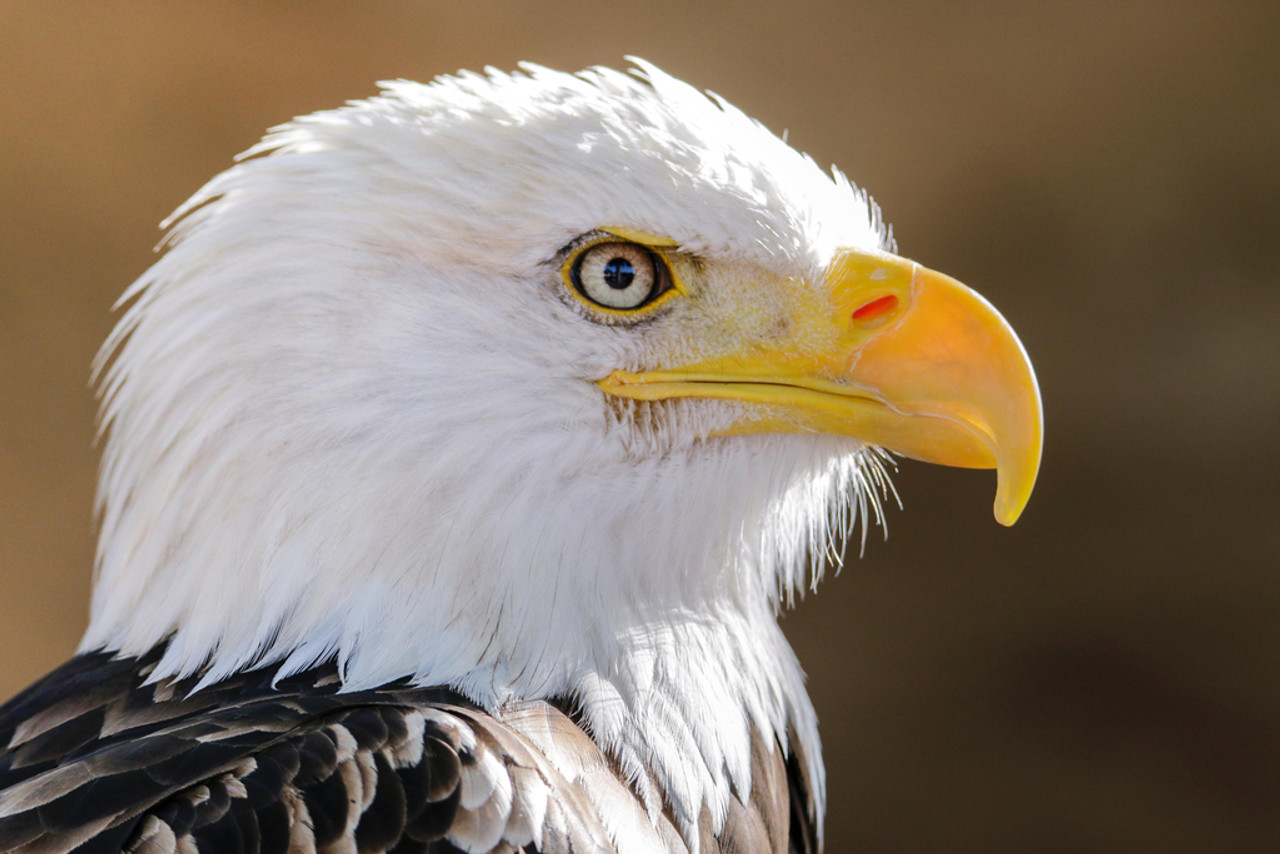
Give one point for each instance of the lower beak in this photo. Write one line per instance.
(907, 359)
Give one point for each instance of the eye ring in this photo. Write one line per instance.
(619, 275)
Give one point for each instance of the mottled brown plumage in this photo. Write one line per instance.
(96, 760)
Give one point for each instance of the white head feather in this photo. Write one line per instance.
(352, 413)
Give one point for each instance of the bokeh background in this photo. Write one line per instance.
(1103, 677)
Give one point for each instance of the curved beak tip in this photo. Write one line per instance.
(1016, 472)
(1010, 503)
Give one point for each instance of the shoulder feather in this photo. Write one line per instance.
(96, 758)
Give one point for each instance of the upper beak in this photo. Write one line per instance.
(898, 356)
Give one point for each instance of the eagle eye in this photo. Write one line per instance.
(620, 276)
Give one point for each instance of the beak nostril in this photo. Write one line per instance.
(875, 308)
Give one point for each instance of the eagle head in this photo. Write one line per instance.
(533, 385)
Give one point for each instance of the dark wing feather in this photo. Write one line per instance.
(803, 819)
(96, 760)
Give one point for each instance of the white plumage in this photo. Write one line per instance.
(354, 413)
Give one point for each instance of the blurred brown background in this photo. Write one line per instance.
(1103, 677)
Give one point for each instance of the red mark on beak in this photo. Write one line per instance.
(875, 308)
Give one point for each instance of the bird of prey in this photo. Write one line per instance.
(460, 450)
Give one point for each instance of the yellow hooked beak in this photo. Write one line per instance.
(909, 359)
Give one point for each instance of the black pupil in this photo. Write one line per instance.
(618, 273)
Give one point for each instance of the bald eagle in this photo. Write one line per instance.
(459, 454)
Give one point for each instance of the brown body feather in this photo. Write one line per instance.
(96, 760)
